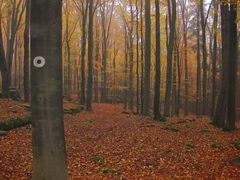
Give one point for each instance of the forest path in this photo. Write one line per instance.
(110, 144)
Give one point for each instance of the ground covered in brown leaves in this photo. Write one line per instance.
(110, 144)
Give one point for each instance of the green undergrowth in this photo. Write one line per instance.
(15, 123)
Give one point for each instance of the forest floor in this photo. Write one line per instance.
(110, 144)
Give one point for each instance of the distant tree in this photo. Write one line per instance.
(170, 43)
(184, 16)
(137, 55)
(198, 84)
(106, 12)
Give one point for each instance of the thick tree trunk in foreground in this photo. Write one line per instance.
(49, 153)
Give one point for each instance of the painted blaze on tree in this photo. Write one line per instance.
(49, 153)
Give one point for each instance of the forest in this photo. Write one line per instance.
(119, 89)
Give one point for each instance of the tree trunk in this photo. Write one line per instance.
(142, 57)
(204, 63)
(97, 48)
(137, 54)
(147, 93)
(221, 109)
(172, 24)
(3, 65)
(198, 106)
(49, 152)
(214, 58)
(90, 57)
(83, 53)
(231, 115)
(131, 58)
(158, 64)
(26, 52)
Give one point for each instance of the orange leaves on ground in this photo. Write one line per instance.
(109, 144)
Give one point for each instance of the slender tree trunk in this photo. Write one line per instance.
(3, 65)
(49, 152)
(69, 83)
(15, 78)
(126, 69)
(221, 109)
(231, 115)
(174, 79)
(97, 48)
(185, 33)
(142, 57)
(204, 63)
(147, 93)
(198, 106)
(90, 57)
(83, 54)
(137, 54)
(26, 52)
(214, 58)
(179, 82)
(131, 58)
(172, 24)
(158, 64)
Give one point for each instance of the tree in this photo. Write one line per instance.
(3, 63)
(26, 52)
(137, 53)
(106, 12)
(231, 113)
(198, 85)
(90, 56)
(185, 33)
(221, 109)
(146, 102)
(49, 152)
(158, 63)
(16, 13)
(214, 58)
(170, 44)
(83, 9)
